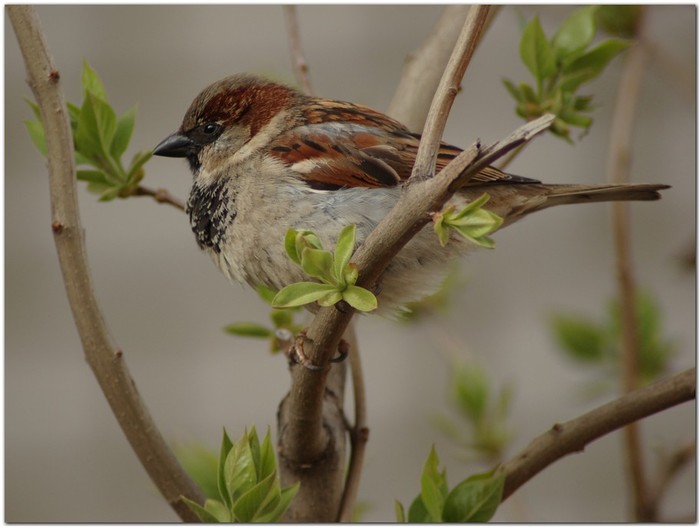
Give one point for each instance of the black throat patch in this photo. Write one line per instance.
(211, 212)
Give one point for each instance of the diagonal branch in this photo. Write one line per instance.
(573, 436)
(101, 352)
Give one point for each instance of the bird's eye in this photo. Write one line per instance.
(210, 128)
(205, 134)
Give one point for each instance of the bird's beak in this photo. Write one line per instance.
(176, 145)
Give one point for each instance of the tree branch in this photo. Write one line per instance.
(300, 66)
(160, 195)
(423, 68)
(447, 90)
(359, 433)
(102, 354)
(305, 439)
(573, 436)
(618, 172)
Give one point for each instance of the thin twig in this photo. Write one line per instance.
(670, 468)
(102, 354)
(300, 66)
(359, 433)
(423, 68)
(618, 172)
(573, 436)
(160, 195)
(447, 90)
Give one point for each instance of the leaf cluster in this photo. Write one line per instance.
(483, 407)
(473, 500)
(335, 274)
(248, 484)
(100, 139)
(597, 344)
(284, 324)
(560, 66)
(473, 222)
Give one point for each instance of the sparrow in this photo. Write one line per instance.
(266, 158)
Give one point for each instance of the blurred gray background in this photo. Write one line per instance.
(166, 304)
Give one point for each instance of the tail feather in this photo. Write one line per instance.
(565, 194)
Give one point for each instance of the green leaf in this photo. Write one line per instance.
(252, 502)
(399, 511)
(330, 299)
(36, 134)
(471, 208)
(206, 515)
(575, 33)
(343, 252)
(93, 176)
(620, 20)
(433, 487)
(239, 469)
(582, 103)
(301, 293)
(35, 108)
(74, 115)
(277, 509)
(296, 240)
(417, 513)
(536, 52)
(91, 83)
(266, 293)
(471, 390)
(226, 446)
(136, 173)
(122, 134)
(201, 464)
(281, 318)
(513, 90)
(267, 464)
(576, 119)
(580, 338)
(110, 194)
(96, 127)
(593, 62)
(360, 298)
(98, 188)
(218, 510)
(290, 246)
(319, 264)
(350, 275)
(529, 93)
(249, 329)
(474, 499)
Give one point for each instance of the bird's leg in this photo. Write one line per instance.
(297, 355)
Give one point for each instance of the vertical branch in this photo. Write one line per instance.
(359, 433)
(423, 68)
(449, 87)
(301, 68)
(102, 354)
(618, 172)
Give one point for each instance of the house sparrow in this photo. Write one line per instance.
(266, 158)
